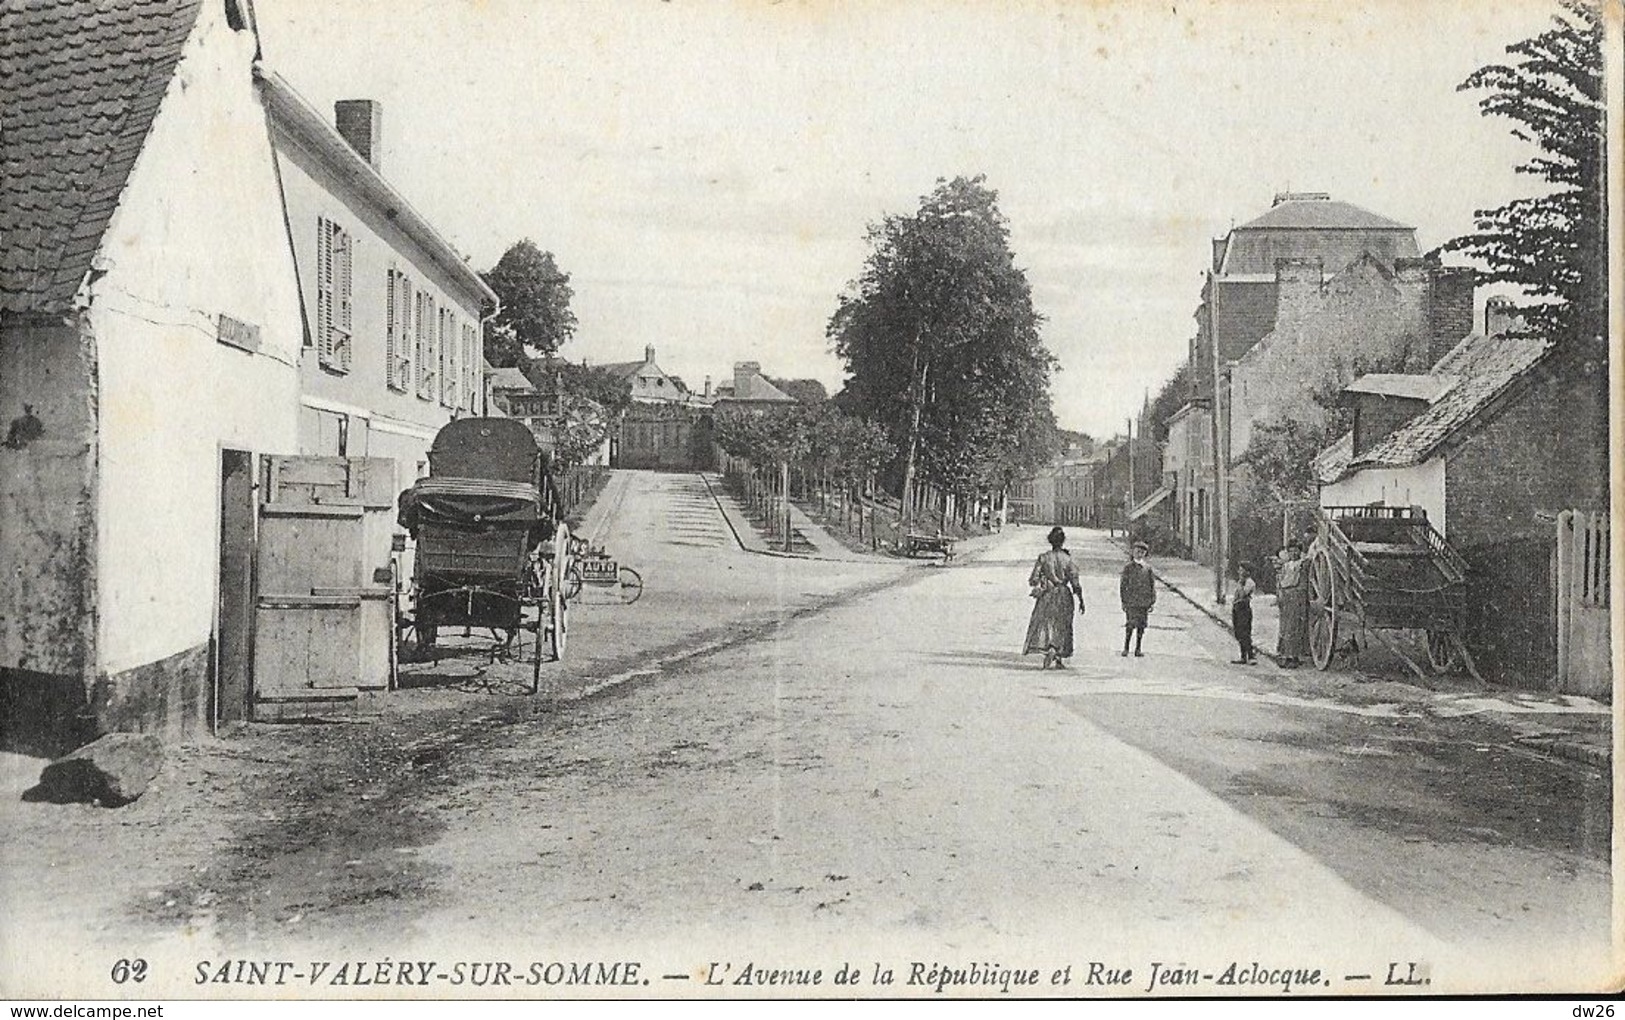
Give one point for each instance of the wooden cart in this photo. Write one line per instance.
(1377, 568)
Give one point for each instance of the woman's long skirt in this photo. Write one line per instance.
(1050, 628)
(1294, 606)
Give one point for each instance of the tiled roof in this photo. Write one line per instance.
(82, 81)
(1335, 233)
(509, 379)
(623, 369)
(757, 388)
(1485, 367)
(1331, 463)
(1320, 214)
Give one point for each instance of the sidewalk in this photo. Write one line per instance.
(1565, 726)
(825, 546)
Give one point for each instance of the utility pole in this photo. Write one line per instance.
(1221, 490)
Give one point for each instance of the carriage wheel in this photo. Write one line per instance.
(631, 585)
(536, 652)
(1322, 609)
(1442, 651)
(557, 623)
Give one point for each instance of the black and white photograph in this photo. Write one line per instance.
(808, 500)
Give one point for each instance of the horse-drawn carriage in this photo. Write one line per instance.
(1378, 568)
(492, 549)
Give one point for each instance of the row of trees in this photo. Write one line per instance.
(942, 350)
(828, 449)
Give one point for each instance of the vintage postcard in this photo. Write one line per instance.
(928, 499)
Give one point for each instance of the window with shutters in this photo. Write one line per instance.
(471, 368)
(451, 371)
(334, 307)
(398, 353)
(428, 350)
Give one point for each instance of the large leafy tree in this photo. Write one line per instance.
(1553, 244)
(535, 318)
(941, 341)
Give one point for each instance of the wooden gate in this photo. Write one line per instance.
(1584, 663)
(324, 615)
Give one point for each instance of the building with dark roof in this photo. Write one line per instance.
(183, 300)
(1266, 276)
(150, 332)
(1504, 444)
(648, 382)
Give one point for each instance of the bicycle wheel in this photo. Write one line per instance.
(631, 585)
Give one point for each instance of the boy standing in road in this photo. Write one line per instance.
(1241, 616)
(1138, 590)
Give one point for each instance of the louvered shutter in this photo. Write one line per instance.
(390, 325)
(403, 351)
(470, 369)
(324, 291)
(344, 264)
(431, 350)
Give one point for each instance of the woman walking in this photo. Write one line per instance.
(1052, 584)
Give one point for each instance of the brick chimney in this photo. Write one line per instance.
(707, 386)
(743, 372)
(1501, 316)
(649, 354)
(361, 122)
(1297, 289)
(1450, 309)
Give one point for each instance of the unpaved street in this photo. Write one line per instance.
(804, 763)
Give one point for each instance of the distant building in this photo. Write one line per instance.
(1307, 285)
(750, 388)
(648, 382)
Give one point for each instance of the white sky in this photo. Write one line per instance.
(705, 171)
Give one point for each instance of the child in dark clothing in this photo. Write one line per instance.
(1241, 617)
(1138, 590)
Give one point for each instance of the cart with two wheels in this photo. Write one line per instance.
(1375, 569)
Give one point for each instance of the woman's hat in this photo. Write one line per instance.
(1141, 547)
(1056, 535)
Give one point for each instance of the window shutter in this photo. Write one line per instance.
(471, 369)
(448, 341)
(418, 348)
(431, 348)
(324, 290)
(390, 325)
(403, 351)
(343, 246)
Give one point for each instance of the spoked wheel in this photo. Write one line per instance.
(631, 583)
(536, 652)
(416, 642)
(557, 623)
(1442, 651)
(572, 581)
(1322, 609)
